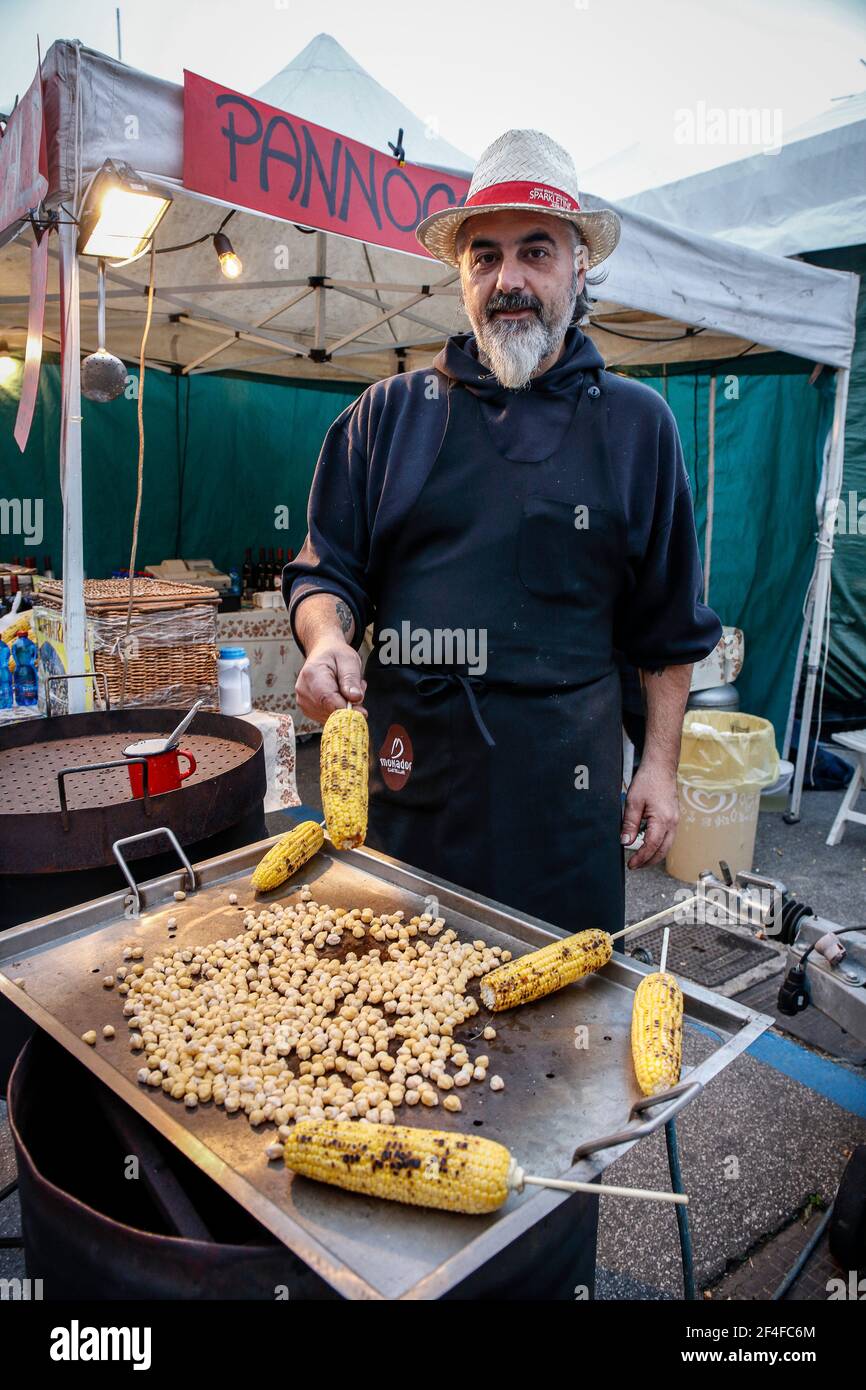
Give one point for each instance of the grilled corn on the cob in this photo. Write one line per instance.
(288, 855)
(541, 972)
(423, 1167)
(344, 770)
(657, 1033)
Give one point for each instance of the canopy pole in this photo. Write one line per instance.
(823, 576)
(321, 271)
(70, 469)
(711, 487)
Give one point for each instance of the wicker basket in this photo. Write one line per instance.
(170, 651)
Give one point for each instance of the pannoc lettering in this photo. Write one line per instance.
(252, 155)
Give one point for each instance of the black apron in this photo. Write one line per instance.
(501, 769)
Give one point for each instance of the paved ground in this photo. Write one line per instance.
(759, 1148)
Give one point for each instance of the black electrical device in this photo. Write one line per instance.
(793, 995)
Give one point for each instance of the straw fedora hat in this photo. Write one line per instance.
(523, 169)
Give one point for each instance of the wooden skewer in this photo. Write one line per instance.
(595, 1189)
(657, 916)
(664, 960)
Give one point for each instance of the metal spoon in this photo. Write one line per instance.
(152, 747)
(103, 376)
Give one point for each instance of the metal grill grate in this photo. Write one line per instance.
(28, 775)
(709, 955)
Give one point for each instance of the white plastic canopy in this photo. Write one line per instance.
(810, 195)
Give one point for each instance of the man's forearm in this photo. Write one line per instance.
(666, 693)
(323, 616)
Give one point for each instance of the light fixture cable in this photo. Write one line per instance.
(140, 473)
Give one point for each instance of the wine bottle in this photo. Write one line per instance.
(278, 570)
(247, 573)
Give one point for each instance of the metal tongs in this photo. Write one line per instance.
(152, 747)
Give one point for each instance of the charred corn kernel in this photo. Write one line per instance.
(422, 1167)
(288, 855)
(657, 1033)
(530, 977)
(345, 752)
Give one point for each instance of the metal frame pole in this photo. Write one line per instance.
(321, 271)
(74, 627)
(823, 573)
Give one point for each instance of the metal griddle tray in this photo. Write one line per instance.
(559, 1095)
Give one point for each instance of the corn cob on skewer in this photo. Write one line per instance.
(344, 771)
(424, 1167)
(657, 1032)
(541, 972)
(288, 855)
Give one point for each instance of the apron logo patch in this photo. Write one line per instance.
(395, 757)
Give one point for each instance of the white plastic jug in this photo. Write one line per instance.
(233, 673)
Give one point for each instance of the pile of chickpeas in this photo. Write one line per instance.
(272, 1023)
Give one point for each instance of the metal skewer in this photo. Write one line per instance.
(664, 960)
(595, 1189)
(657, 916)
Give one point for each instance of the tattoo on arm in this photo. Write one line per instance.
(344, 615)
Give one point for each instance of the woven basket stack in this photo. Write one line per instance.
(170, 653)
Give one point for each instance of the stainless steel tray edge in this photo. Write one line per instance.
(703, 1006)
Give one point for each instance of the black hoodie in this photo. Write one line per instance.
(377, 456)
(526, 425)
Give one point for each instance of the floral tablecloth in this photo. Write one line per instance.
(278, 733)
(275, 660)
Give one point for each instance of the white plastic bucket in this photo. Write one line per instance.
(775, 798)
(714, 825)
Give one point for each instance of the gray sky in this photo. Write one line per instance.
(605, 77)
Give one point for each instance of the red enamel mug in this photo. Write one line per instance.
(164, 772)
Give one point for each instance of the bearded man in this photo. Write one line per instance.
(514, 523)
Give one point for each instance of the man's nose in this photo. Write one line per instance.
(512, 277)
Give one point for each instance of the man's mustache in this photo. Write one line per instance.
(511, 303)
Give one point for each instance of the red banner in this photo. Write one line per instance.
(33, 354)
(255, 156)
(23, 157)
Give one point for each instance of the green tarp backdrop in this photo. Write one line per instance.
(224, 456)
(846, 668)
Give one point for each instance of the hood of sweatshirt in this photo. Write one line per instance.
(526, 425)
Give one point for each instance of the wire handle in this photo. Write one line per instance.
(136, 839)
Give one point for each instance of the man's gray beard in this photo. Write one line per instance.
(514, 349)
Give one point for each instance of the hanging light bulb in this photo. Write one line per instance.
(231, 264)
(8, 366)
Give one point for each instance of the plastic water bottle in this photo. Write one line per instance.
(26, 655)
(6, 692)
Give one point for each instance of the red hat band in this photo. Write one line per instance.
(551, 199)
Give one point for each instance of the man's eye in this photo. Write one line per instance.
(484, 258)
(537, 251)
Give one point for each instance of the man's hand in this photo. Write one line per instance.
(652, 797)
(330, 679)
